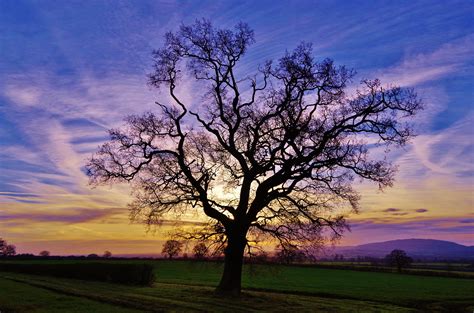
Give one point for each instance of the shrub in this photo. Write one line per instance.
(135, 274)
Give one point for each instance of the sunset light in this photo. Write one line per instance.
(257, 128)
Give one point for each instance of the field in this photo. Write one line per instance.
(187, 286)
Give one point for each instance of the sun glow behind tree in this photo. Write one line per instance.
(291, 147)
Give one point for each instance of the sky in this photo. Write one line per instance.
(70, 70)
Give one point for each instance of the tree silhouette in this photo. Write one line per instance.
(260, 257)
(44, 253)
(200, 251)
(270, 154)
(289, 254)
(9, 250)
(398, 258)
(172, 248)
(6, 249)
(107, 254)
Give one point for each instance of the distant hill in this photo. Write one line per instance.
(417, 248)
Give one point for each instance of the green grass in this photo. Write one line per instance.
(409, 290)
(20, 297)
(175, 298)
(303, 287)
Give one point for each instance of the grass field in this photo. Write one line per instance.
(167, 298)
(187, 286)
(20, 297)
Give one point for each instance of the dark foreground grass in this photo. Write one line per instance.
(407, 290)
(165, 298)
(20, 297)
(306, 286)
(122, 273)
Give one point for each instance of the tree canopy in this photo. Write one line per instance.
(44, 253)
(172, 248)
(7, 249)
(269, 154)
(399, 259)
(200, 251)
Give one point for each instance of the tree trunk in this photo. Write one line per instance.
(230, 284)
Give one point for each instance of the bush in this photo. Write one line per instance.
(135, 274)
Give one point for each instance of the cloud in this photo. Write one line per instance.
(447, 151)
(68, 90)
(431, 224)
(101, 101)
(76, 215)
(27, 96)
(61, 130)
(421, 68)
(18, 194)
(391, 210)
(363, 231)
(395, 212)
(421, 210)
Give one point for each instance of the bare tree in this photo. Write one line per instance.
(270, 154)
(200, 251)
(44, 253)
(172, 248)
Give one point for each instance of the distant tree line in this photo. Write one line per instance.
(282, 254)
(288, 254)
(9, 250)
(285, 254)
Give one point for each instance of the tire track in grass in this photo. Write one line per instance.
(254, 301)
(122, 302)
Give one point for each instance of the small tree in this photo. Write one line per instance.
(107, 254)
(398, 258)
(44, 253)
(200, 251)
(6, 249)
(260, 257)
(172, 248)
(289, 254)
(9, 250)
(93, 256)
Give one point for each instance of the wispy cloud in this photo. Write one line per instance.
(391, 210)
(421, 210)
(421, 68)
(67, 215)
(364, 231)
(68, 74)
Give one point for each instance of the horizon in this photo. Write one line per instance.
(72, 71)
(271, 250)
